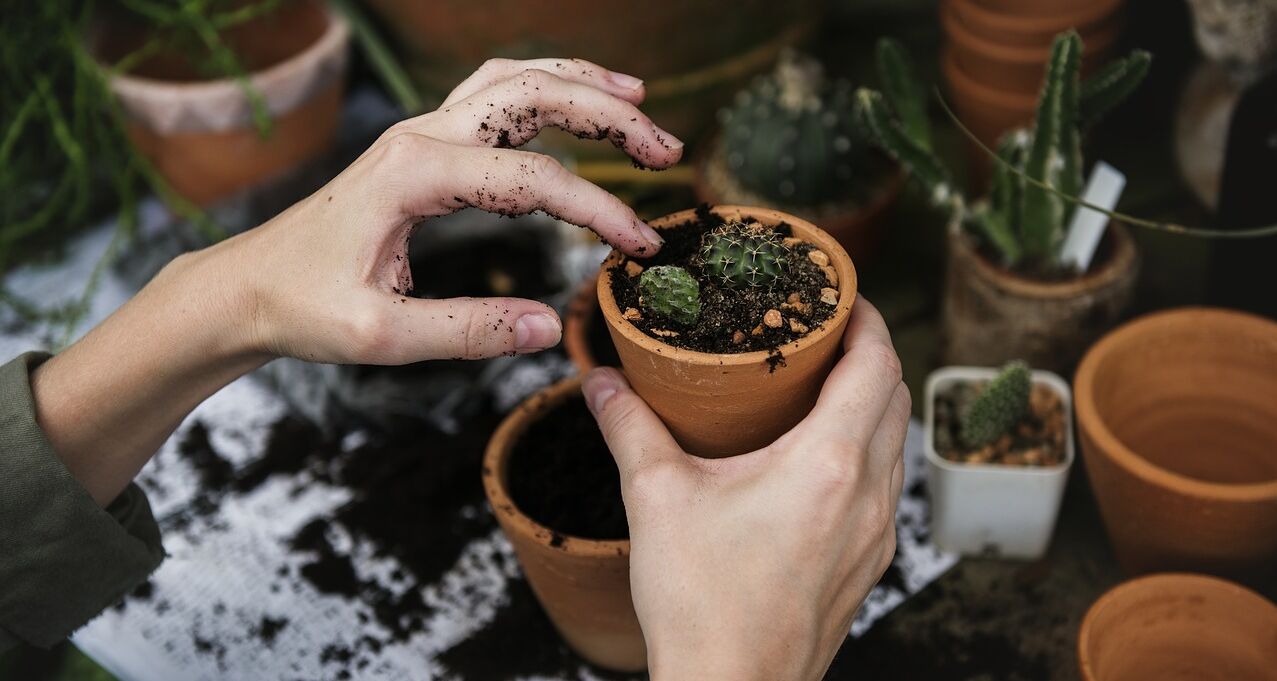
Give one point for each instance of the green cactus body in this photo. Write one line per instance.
(669, 291)
(998, 407)
(791, 137)
(743, 256)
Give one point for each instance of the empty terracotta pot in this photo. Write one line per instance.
(726, 404)
(1179, 627)
(200, 133)
(991, 315)
(583, 584)
(1177, 413)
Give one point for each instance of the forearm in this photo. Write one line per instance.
(109, 401)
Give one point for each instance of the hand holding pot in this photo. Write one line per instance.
(753, 566)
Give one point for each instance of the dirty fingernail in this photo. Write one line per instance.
(599, 386)
(625, 80)
(670, 141)
(650, 234)
(536, 331)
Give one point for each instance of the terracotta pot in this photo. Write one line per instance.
(1017, 28)
(723, 405)
(200, 134)
(1179, 627)
(860, 229)
(986, 112)
(1037, 8)
(584, 330)
(1013, 68)
(692, 73)
(991, 315)
(1177, 413)
(583, 584)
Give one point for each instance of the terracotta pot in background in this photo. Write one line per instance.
(1020, 26)
(1179, 627)
(200, 133)
(991, 316)
(722, 405)
(579, 330)
(860, 229)
(987, 113)
(583, 584)
(1177, 414)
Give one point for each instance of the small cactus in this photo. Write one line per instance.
(743, 256)
(669, 291)
(998, 407)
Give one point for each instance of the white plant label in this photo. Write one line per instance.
(1086, 228)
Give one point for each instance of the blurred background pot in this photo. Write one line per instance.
(585, 336)
(1177, 413)
(201, 134)
(583, 584)
(1174, 627)
(1239, 34)
(992, 315)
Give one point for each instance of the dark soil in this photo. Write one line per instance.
(724, 310)
(562, 475)
(1038, 440)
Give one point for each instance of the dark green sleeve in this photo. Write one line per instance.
(63, 558)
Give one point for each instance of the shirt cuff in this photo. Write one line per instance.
(63, 558)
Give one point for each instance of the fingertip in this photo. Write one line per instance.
(600, 386)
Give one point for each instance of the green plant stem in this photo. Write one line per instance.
(381, 58)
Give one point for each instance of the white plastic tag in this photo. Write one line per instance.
(1087, 226)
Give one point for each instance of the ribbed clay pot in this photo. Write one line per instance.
(992, 315)
(1179, 627)
(986, 112)
(1017, 27)
(1177, 414)
(585, 332)
(200, 133)
(720, 405)
(860, 229)
(583, 584)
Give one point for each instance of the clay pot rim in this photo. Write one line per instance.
(1110, 446)
(889, 188)
(841, 262)
(1134, 587)
(335, 36)
(576, 325)
(1088, 14)
(1020, 56)
(496, 456)
(962, 373)
(961, 80)
(1121, 260)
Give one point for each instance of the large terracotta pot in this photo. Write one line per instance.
(583, 584)
(200, 133)
(991, 315)
(690, 73)
(723, 405)
(860, 229)
(1177, 413)
(1179, 627)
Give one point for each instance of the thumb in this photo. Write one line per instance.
(634, 433)
(468, 328)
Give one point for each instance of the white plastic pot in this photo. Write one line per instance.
(985, 509)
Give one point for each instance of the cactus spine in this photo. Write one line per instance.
(669, 291)
(743, 256)
(998, 407)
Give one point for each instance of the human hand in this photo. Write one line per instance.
(752, 567)
(327, 280)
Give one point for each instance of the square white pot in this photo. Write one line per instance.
(985, 509)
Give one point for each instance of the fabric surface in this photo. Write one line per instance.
(63, 558)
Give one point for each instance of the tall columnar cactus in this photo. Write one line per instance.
(743, 256)
(1022, 220)
(791, 137)
(671, 292)
(998, 407)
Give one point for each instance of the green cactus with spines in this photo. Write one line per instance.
(1021, 221)
(791, 137)
(998, 407)
(741, 255)
(670, 292)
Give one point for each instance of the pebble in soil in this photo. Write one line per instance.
(732, 320)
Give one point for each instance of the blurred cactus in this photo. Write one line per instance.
(670, 292)
(791, 137)
(998, 407)
(743, 256)
(1021, 220)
